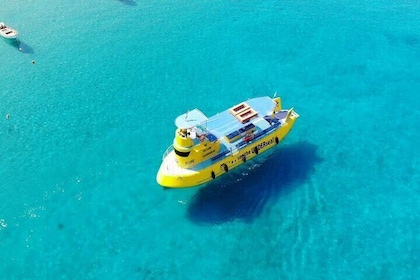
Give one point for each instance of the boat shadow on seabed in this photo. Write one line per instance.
(20, 46)
(128, 2)
(243, 194)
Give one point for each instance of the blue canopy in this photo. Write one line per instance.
(190, 119)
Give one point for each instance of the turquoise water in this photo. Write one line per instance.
(92, 116)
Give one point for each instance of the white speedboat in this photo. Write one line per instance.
(7, 32)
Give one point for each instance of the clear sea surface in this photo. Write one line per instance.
(92, 91)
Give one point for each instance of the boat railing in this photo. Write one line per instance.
(168, 150)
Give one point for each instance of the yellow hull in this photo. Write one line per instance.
(190, 178)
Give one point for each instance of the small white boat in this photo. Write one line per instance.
(7, 32)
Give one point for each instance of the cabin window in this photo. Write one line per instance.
(182, 154)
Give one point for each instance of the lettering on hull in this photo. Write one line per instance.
(209, 153)
(265, 144)
(260, 146)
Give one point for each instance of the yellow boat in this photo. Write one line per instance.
(206, 148)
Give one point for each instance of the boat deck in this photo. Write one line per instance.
(225, 125)
(230, 130)
(225, 122)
